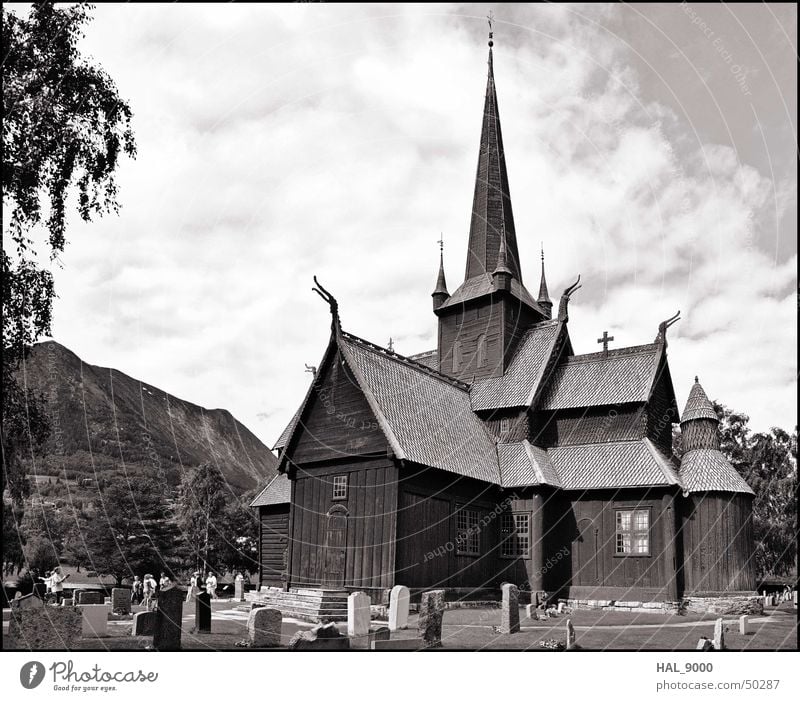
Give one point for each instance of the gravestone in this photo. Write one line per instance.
(120, 600)
(560, 607)
(94, 623)
(24, 603)
(357, 614)
(91, 597)
(167, 635)
(719, 635)
(144, 623)
(399, 601)
(264, 627)
(509, 614)
(794, 597)
(704, 644)
(743, 625)
(431, 612)
(530, 611)
(570, 635)
(398, 644)
(238, 593)
(202, 612)
(323, 636)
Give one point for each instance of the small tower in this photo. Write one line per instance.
(699, 423)
(502, 274)
(544, 296)
(440, 294)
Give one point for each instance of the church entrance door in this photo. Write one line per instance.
(585, 561)
(335, 548)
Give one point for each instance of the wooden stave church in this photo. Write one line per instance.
(502, 456)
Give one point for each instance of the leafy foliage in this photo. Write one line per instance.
(64, 129)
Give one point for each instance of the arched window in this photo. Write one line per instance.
(481, 350)
(457, 356)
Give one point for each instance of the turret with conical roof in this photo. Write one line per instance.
(699, 422)
(544, 300)
(440, 294)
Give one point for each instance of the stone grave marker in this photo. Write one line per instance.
(323, 636)
(399, 601)
(238, 593)
(743, 620)
(570, 635)
(530, 611)
(121, 600)
(29, 601)
(91, 597)
(560, 607)
(202, 612)
(509, 614)
(358, 614)
(431, 612)
(719, 635)
(94, 622)
(264, 627)
(167, 635)
(144, 623)
(704, 644)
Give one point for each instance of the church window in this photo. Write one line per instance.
(515, 531)
(633, 532)
(340, 487)
(468, 537)
(456, 356)
(481, 350)
(505, 427)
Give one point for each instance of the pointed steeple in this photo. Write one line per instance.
(440, 294)
(699, 421)
(544, 300)
(501, 274)
(491, 202)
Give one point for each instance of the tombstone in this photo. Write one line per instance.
(570, 635)
(719, 635)
(399, 601)
(397, 644)
(530, 611)
(144, 623)
(29, 601)
(238, 593)
(91, 597)
(357, 614)
(94, 622)
(743, 625)
(323, 636)
(794, 597)
(167, 635)
(264, 627)
(431, 612)
(509, 614)
(560, 608)
(121, 600)
(202, 612)
(704, 644)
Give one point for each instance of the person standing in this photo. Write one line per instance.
(194, 586)
(211, 585)
(56, 584)
(148, 590)
(136, 590)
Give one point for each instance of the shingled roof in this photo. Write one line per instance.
(426, 416)
(281, 442)
(612, 465)
(523, 465)
(625, 375)
(707, 470)
(698, 405)
(524, 376)
(278, 491)
(481, 285)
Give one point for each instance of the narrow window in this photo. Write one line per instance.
(505, 427)
(515, 531)
(340, 487)
(456, 356)
(633, 532)
(468, 537)
(481, 350)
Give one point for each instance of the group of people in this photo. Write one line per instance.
(197, 582)
(54, 585)
(145, 591)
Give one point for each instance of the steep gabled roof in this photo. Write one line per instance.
(612, 465)
(523, 465)
(524, 376)
(427, 416)
(707, 470)
(625, 375)
(281, 442)
(698, 405)
(278, 491)
(481, 285)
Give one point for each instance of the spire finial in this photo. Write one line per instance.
(696, 379)
(440, 294)
(544, 295)
(490, 19)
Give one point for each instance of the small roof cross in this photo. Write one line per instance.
(391, 344)
(606, 338)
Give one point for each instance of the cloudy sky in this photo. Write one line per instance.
(651, 148)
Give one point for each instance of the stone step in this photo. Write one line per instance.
(6, 615)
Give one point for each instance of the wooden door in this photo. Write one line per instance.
(335, 548)
(424, 541)
(585, 554)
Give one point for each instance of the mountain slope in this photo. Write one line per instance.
(102, 419)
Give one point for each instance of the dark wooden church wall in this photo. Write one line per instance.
(339, 421)
(426, 531)
(585, 523)
(620, 422)
(718, 544)
(273, 543)
(467, 323)
(661, 412)
(371, 508)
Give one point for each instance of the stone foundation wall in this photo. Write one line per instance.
(665, 607)
(724, 604)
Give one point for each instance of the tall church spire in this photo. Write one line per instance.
(440, 294)
(544, 296)
(491, 203)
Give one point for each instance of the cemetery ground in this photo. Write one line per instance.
(476, 629)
